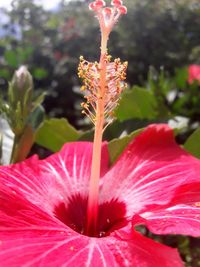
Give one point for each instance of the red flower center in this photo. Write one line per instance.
(111, 216)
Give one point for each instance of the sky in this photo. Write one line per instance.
(48, 4)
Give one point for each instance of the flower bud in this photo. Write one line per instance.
(20, 89)
(22, 79)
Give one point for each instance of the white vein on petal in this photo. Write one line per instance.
(25, 245)
(172, 216)
(179, 207)
(148, 185)
(48, 167)
(25, 185)
(56, 246)
(76, 255)
(102, 256)
(74, 169)
(67, 176)
(92, 245)
(157, 171)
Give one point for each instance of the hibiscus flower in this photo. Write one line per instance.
(43, 205)
(194, 73)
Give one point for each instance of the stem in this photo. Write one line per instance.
(15, 149)
(22, 145)
(93, 197)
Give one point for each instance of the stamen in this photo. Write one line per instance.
(90, 73)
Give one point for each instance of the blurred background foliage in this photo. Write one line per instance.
(159, 39)
(160, 33)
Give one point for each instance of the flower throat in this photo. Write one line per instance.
(102, 86)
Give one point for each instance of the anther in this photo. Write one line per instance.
(83, 88)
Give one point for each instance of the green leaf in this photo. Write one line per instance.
(86, 136)
(192, 145)
(54, 133)
(4, 73)
(39, 99)
(24, 53)
(36, 117)
(137, 103)
(40, 73)
(181, 77)
(11, 58)
(116, 146)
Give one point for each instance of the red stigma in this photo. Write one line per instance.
(122, 9)
(117, 3)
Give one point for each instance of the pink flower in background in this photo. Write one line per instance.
(43, 205)
(194, 73)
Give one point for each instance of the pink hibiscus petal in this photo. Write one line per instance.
(53, 249)
(150, 171)
(57, 249)
(48, 182)
(187, 194)
(17, 213)
(29, 238)
(180, 216)
(179, 219)
(137, 250)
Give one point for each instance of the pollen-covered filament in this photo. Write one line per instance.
(106, 91)
(103, 83)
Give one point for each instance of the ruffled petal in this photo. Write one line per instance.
(150, 171)
(54, 180)
(181, 216)
(179, 219)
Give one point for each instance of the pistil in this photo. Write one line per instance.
(103, 86)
